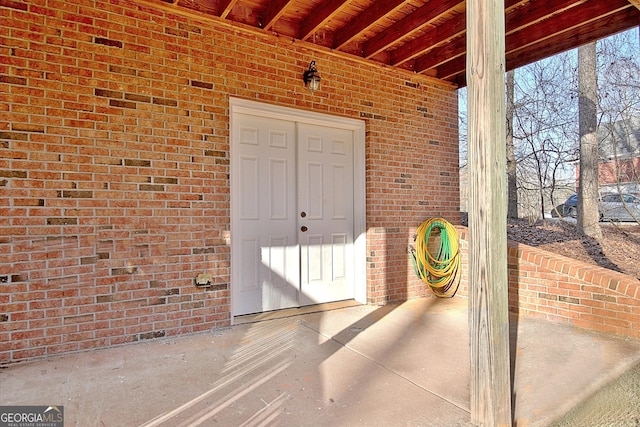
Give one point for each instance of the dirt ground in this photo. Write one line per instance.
(619, 250)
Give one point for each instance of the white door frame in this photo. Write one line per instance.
(237, 105)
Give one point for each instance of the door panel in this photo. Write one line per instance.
(313, 181)
(325, 195)
(249, 250)
(249, 188)
(265, 253)
(339, 248)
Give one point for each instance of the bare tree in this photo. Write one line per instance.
(619, 113)
(545, 125)
(512, 179)
(545, 133)
(588, 214)
(462, 138)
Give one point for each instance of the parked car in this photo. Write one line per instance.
(612, 207)
(558, 211)
(620, 207)
(570, 206)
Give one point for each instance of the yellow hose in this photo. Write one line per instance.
(441, 272)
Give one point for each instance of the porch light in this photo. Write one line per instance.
(311, 77)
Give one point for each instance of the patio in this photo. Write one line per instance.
(399, 364)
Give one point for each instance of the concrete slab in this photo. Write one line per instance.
(400, 364)
(557, 366)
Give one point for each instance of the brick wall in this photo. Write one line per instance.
(619, 171)
(560, 289)
(114, 163)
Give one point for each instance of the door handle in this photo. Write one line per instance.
(303, 214)
(303, 228)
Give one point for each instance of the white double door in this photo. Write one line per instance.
(292, 214)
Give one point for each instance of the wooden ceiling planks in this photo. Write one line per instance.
(636, 3)
(364, 21)
(425, 36)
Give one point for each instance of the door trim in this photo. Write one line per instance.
(243, 106)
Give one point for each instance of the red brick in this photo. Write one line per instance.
(82, 145)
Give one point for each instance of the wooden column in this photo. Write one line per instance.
(488, 286)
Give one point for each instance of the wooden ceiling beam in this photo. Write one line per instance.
(510, 5)
(441, 55)
(560, 23)
(439, 35)
(365, 20)
(273, 12)
(320, 16)
(225, 7)
(577, 36)
(430, 41)
(427, 43)
(636, 3)
(406, 26)
(537, 12)
(454, 69)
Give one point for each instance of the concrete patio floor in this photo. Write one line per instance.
(396, 365)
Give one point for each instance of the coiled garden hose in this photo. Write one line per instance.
(442, 271)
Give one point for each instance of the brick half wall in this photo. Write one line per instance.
(560, 289)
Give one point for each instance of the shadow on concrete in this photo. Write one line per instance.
(399, 364)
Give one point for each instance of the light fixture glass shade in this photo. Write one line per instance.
(312, 78)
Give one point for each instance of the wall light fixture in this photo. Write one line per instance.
(311, 77)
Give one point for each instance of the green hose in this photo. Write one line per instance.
(442, 271)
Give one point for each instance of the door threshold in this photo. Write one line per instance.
(290, 312)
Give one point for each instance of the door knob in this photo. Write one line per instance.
(303, 214)
(303, 228)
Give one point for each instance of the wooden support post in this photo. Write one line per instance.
(488, 286)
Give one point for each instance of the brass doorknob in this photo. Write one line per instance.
(303, 228)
